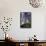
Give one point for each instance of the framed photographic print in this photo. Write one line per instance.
(25, 19)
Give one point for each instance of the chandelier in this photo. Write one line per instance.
(36, 3)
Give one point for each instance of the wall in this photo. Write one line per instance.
(12, 8)
(45, 28)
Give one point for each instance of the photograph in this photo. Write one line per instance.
(25, 19)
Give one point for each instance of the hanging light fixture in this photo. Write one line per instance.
(36, 3)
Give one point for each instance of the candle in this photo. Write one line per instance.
(7, 35)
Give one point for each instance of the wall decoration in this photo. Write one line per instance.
(25, 19)
(36, 3)
(6, 24)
